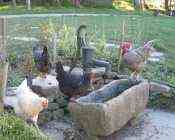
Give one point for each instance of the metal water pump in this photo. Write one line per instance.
(89, 61)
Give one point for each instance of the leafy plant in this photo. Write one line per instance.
(12, 127)
(67, 39)
(47, 31)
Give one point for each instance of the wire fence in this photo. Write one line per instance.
(103, 30)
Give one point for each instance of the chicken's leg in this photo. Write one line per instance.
(34, 120)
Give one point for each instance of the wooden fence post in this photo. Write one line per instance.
(3, 60)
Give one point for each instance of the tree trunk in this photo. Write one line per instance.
(14, 3)
(28, 2)
(170, 5)
(166, 5)
(139, 4)
(143, 4)
(3, 61)
(3, 81)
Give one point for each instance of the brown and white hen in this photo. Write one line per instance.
(135, 58)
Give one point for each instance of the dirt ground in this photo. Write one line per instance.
(151, 125)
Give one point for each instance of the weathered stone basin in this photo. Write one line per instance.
(108, 116)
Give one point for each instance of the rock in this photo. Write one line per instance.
(53, 106)
(159, 88)
(58, 114)
(56, 129)
(45, 86)
(72, 134)
(48, 82)
(102, 119)
(44, 117)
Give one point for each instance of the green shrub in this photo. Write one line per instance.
(12, 127)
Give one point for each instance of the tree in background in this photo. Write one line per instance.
(139, 4)
(28, 2)
(76, 3)
(168, 6)
(14, 3)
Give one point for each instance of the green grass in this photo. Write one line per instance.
(119, 6)
(21, 9)
(12, 127)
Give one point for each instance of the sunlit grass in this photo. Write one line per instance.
(123, 5)
(4, 7)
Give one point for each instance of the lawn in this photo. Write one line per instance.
(21, 9)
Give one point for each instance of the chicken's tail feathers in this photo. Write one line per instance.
(81, 27)
(45, 49)
(29, 79)
(149, 43)
(81, 41)
(23, 86)
(59, 70)
(58, 66)
(35, 47)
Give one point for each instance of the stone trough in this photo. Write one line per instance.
(108, 109)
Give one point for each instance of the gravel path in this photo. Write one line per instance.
(152, 125)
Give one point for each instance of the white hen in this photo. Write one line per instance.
(26, 103)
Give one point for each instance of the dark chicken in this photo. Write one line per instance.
(72, 84)
(41, 59)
